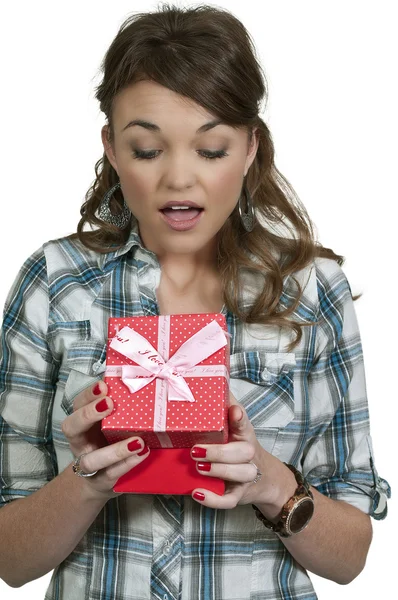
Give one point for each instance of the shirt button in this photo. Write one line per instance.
(165, 597)
(166, 550)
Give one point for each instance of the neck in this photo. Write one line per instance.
(186, 271)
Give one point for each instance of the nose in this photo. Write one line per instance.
(179, 171)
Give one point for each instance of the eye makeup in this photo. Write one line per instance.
(151, 154)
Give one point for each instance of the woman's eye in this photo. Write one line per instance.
(207, 154)
(140, 154)
(212, 155)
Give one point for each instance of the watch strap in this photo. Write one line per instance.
(302, 490)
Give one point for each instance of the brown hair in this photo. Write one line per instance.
(205, 53)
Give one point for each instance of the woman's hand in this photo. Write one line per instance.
(83, 431)
(231, 462)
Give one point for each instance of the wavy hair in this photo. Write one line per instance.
(205, 54)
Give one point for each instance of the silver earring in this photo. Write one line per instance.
(105, 214)
(248, 217)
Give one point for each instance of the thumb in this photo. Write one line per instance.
(237, 416)
(237, 419)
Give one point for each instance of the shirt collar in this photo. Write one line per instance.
(134, 240)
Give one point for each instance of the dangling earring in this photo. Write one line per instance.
(105, 214)
(248, 217)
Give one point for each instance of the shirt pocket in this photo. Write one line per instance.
(263, 382)
(85, 360)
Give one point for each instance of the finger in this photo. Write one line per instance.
(240, 426)
(120, 468)
(233, 452)
(235, 415)
(232, 399)
(245, 473)
(110, 457)
(96, 391)
(82, 419)
(229, 500)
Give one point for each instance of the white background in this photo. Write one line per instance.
(331, 68)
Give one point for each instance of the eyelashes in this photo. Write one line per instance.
(206, 154)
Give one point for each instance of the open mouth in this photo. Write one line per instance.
(181, 213)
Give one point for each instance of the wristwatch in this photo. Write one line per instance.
(296, 513)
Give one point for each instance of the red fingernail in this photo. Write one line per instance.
(102, 405)
(204, 466)
(199, 496)
(97, 389)
(198, 452)
(143, 451)
(134, 445)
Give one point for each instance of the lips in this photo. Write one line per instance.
(182, 211)
(181, 214)
(180, 203)
(180, 217)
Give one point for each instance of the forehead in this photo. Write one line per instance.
(150, 101)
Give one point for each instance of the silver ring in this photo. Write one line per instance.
(259, 474)
(76, 467)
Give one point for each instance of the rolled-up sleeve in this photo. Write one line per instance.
(28, 374)
(339, 459)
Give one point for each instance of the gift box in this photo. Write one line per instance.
(168, 377)
(167, 471)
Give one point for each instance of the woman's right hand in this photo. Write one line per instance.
(83, 431)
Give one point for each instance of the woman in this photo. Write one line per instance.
(189, 215)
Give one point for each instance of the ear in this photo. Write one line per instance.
(108, 148)
(252, 150)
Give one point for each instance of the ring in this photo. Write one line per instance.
(259, 474)
(76, 467)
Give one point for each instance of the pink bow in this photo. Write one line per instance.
(169, 374)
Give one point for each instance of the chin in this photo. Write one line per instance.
(161, 241)
(186, 243)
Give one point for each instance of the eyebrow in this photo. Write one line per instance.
(154, 127)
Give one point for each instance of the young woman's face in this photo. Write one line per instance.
(178, 171)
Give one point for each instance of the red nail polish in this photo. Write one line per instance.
(143, 451)
(134, 445)
(199, 496)
(198, 452)
(102, 405)
(204, 466)
(97, 389)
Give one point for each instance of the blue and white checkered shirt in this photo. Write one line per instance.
(308, 407)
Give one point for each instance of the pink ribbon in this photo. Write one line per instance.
(169, 374)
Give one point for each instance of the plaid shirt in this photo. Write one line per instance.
(308, 408)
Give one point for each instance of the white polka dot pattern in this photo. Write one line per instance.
(204, 421)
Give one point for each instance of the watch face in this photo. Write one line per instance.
(301, 515)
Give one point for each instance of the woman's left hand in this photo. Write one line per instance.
(231, 462)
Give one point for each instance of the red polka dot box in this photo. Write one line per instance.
(168, 377)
